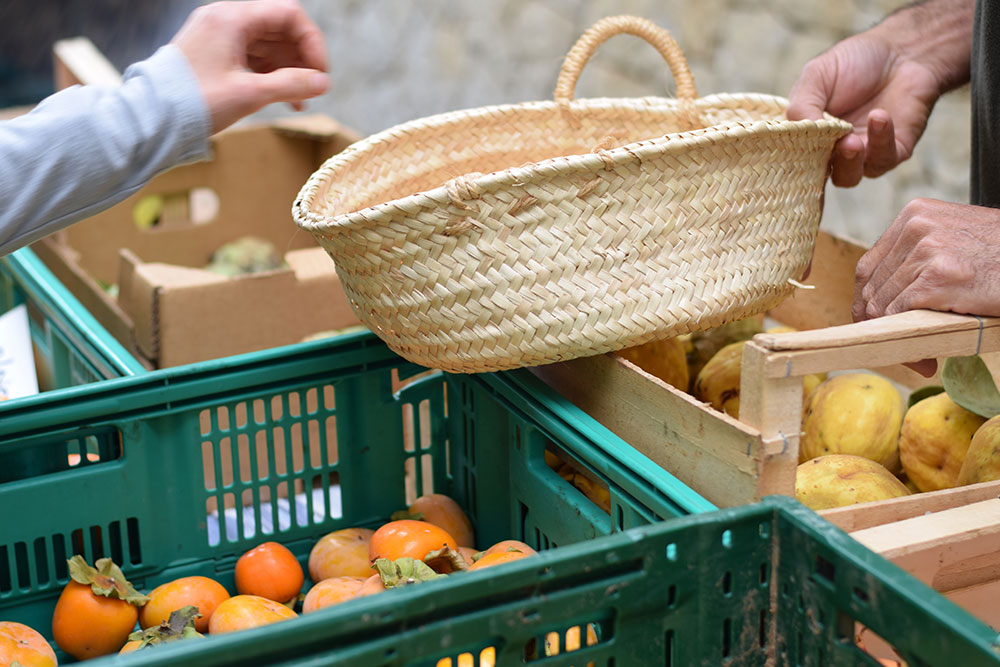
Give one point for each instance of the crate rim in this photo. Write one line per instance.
(75, 407)
(374, 614)
(74, 320)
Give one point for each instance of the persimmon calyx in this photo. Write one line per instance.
(106, 579)
(179, 626)
(445, 560)
(400, 515)
(403, 571)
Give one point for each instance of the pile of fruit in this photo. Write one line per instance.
(98, 611)
(860, 441)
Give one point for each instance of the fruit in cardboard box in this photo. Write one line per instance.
(934, 439)
(837, 480)
(247, 254)
(856, 413)
(982, 459)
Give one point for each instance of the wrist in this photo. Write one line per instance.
(936, 34)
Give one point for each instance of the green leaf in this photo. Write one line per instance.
(924, 392)
(403, 572)
(106, 579)
(970, 384)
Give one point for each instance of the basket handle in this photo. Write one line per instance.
(610, 26)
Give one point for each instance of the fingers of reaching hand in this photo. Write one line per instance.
(848, 161)
(881, 154)
(288, 84)
(926, 284)
(810, 94)
(267, 55)
(273, 22)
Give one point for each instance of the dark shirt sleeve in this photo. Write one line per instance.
(984, 178)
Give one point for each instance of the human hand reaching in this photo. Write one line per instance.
(887, 101)
(249, 54)
(885, 81)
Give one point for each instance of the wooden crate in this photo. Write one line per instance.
(949, 540)
(732, 462)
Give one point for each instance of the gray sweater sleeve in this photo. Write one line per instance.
(86, 148)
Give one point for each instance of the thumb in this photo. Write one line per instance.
(288, 84)
(809, 95)
(806, 104)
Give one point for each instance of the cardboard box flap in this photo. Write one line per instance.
(316, 126)
(77, 60)
(257, 312)
(139, 297)
(310, 263)
(172, 305)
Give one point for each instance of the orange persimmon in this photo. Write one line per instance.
(445, 513)
(330, 592)
(407, 538)
(24, 645)
(201, 592)
(269, 570)
(342, 553)
(242, 612)
(96, 610)
(497, 558)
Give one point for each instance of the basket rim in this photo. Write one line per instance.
(319, 181)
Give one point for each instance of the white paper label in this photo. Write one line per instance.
(17, 363)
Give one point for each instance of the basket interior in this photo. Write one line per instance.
(423, 155)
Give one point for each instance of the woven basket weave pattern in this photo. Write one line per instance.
(526, 234)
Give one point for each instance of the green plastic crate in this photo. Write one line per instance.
(71, 346)
(150, 454)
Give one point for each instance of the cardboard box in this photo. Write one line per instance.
(169, 311)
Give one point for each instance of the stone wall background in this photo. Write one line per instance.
(393, 61)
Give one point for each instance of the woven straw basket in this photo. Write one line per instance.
(524, 234)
